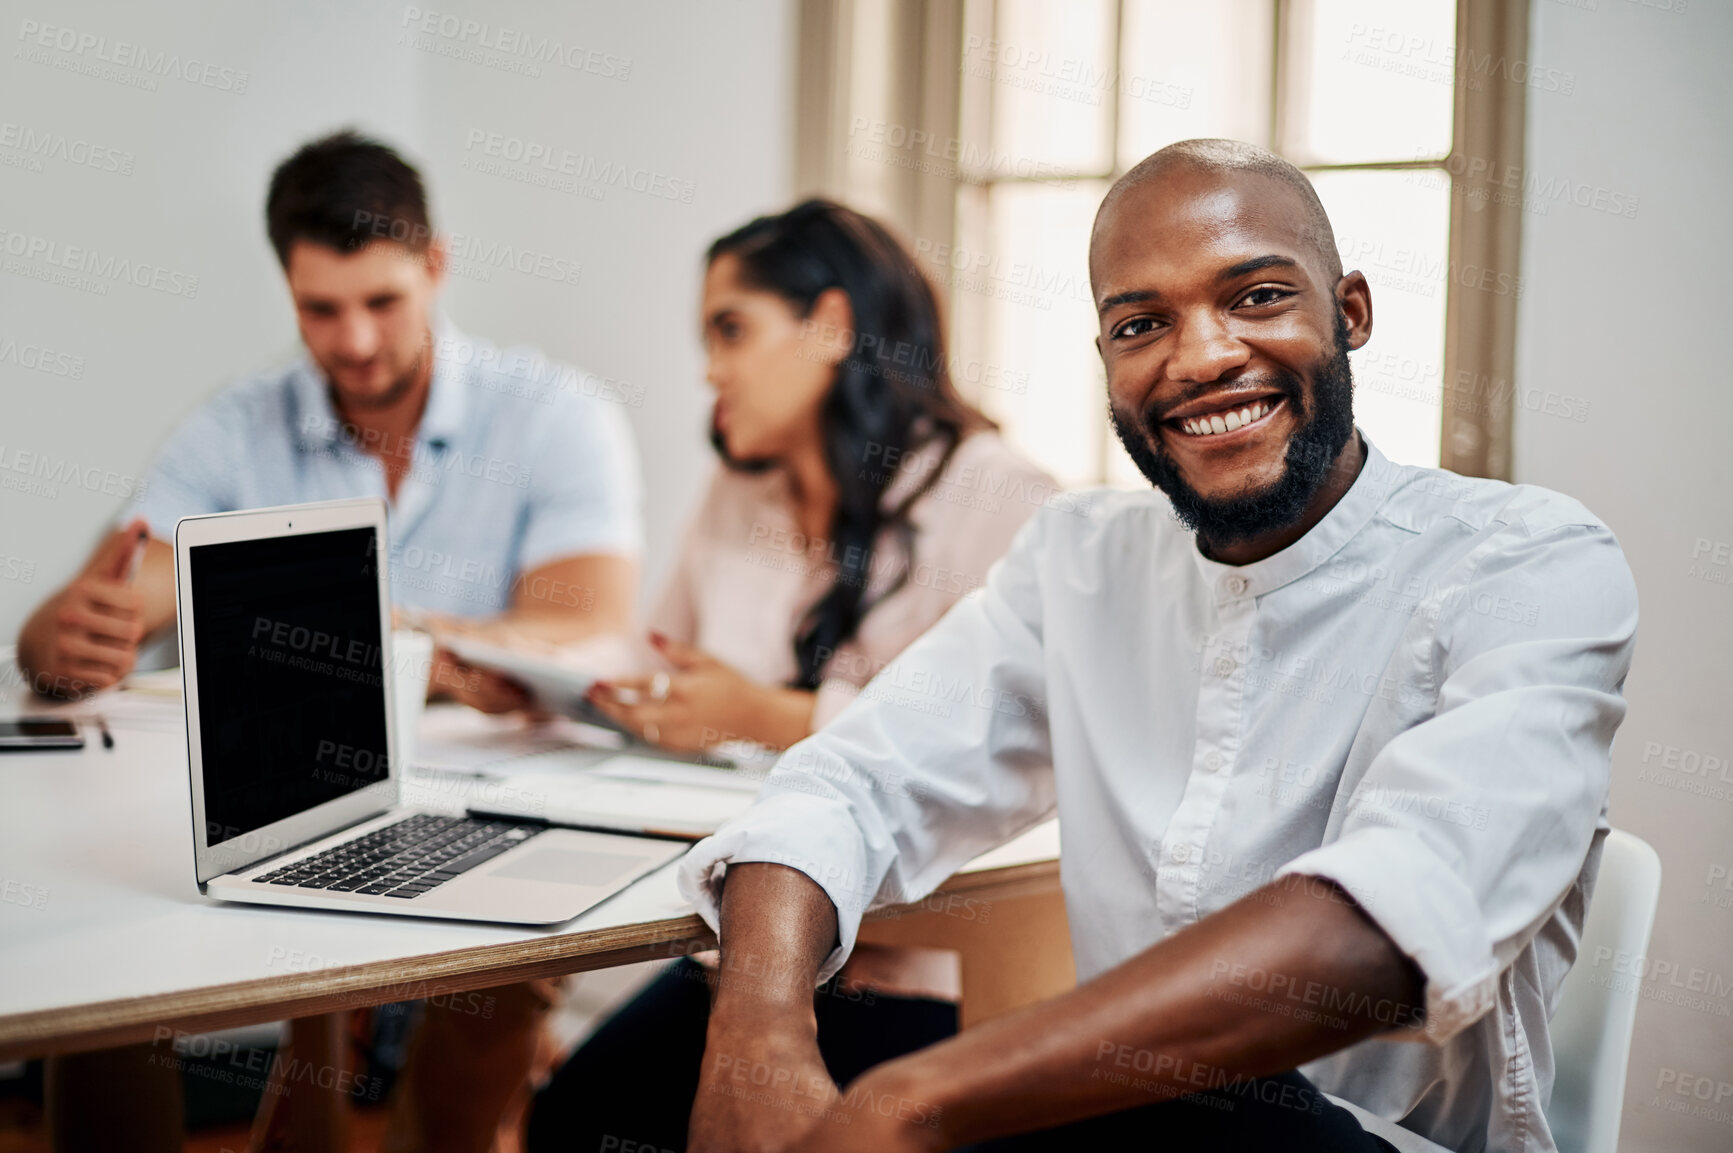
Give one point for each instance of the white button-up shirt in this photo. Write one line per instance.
(1416, 701)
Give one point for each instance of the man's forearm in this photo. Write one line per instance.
(1286, 974)
(762, 1071)
(38, 639)
(777, 927)
(552, 627)
(574, 599)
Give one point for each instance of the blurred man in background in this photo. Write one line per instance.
(514, 503)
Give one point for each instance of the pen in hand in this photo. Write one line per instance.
(136, 561)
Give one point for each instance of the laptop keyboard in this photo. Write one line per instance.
(405, 859)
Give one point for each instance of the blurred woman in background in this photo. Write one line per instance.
(858, 498)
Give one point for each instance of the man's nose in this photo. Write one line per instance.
(1205, 350)
(357, 338)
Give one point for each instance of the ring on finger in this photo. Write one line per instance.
(659, 685)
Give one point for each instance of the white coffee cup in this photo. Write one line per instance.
(411, 669)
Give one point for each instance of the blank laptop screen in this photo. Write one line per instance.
(291, 693)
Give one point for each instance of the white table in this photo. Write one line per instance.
(104, 937)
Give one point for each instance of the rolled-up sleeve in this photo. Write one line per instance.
(944, 755)
(1468, 829)
(585, 490)
(195, 473)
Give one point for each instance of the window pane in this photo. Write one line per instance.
(871, 179)
(1050, 70)
(1023, 320)
(1369, 80)
(1394, 226)
(1190, 69)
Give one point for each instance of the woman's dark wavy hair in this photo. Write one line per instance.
(892, 393)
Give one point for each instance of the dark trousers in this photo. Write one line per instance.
(636, 1078)
(1285, 1112)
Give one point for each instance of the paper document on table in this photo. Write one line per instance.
(634, 767)
(126, 706)
(459, 738)
(626, 793)
(155, 682)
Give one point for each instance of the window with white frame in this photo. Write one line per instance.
(1057, 100)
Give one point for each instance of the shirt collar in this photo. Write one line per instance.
(447, 397)
(317, 425)
(1378, 478)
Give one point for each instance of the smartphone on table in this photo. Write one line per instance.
(21, 734)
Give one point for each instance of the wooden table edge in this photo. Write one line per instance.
(102, 1024)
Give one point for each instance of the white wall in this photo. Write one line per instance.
(705, 98)
(1629, 313)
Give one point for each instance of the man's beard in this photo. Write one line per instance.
(1313, 448)
(399, 388)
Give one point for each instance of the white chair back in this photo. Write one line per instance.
(1591, 1030)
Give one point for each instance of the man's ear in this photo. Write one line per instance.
(1354, 298)
(830, 326)
(434, 259)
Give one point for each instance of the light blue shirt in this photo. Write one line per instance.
(517, 462)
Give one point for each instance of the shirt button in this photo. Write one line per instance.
(1212, 760)
(1224, 666)
(1237, 585)
(1180, 853)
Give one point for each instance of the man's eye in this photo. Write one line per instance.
(1136, 326)
(1260, 297)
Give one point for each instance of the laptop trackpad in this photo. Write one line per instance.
(570, 866)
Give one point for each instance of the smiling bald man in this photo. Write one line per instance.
(1328, 738)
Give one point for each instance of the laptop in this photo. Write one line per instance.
(291, 742)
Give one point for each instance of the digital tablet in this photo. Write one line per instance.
(556, 687)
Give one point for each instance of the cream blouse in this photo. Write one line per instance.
(746, 575)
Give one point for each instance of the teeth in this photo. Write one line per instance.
(1211, 425)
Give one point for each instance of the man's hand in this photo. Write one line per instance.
(881, 1111)
(763, 1089)
(1178, 1014)
(481, 689)
(86, 636)
(565, 605)
(450, 678)
(702, 703)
